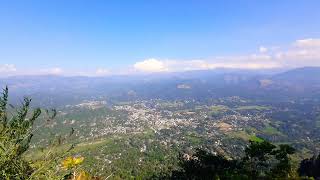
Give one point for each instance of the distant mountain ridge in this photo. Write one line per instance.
(59, 90)
(304, 75)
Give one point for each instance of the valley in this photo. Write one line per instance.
(124, 131)
(154, 131)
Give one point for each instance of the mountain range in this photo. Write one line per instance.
(267, 86)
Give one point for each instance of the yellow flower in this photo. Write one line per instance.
(67, 163)
(71, 162)
(83, 176)
(78, 160)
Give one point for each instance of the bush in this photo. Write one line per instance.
(16, 131)
(15, 137)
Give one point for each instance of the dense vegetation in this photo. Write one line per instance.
(58, 160)
(16, 132)
(262, 160)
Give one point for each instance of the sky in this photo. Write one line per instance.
(99, 38)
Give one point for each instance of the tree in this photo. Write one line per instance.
(262, 160)
(15, 137)
(257, 156)
(283, 168)
(310, 167)
(16, 131)
(204, 165)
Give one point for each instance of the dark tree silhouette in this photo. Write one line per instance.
(310, 167)
(283, 168)
(204, 165)
(262, 160)
(257, 158)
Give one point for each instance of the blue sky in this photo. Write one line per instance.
(87, 37)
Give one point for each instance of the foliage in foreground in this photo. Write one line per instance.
(15, 134)
(16, 131)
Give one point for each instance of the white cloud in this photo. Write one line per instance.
(151, 65)
(299, 53)
(7, 68)
(244, 65)
(263, 49)
(304, 52)
(102, 72)
(240, 62)
(253, 62)
(307, 43)
(52, 71)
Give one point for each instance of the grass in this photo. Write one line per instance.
(149, 133)
(87, 145)
(258, 108)
(240, 135)
(218, 109)
(255, 138)
(251, 130)
(270, 130)
(245, 136)
(81, 147)
(119, 155)
(194, 139)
